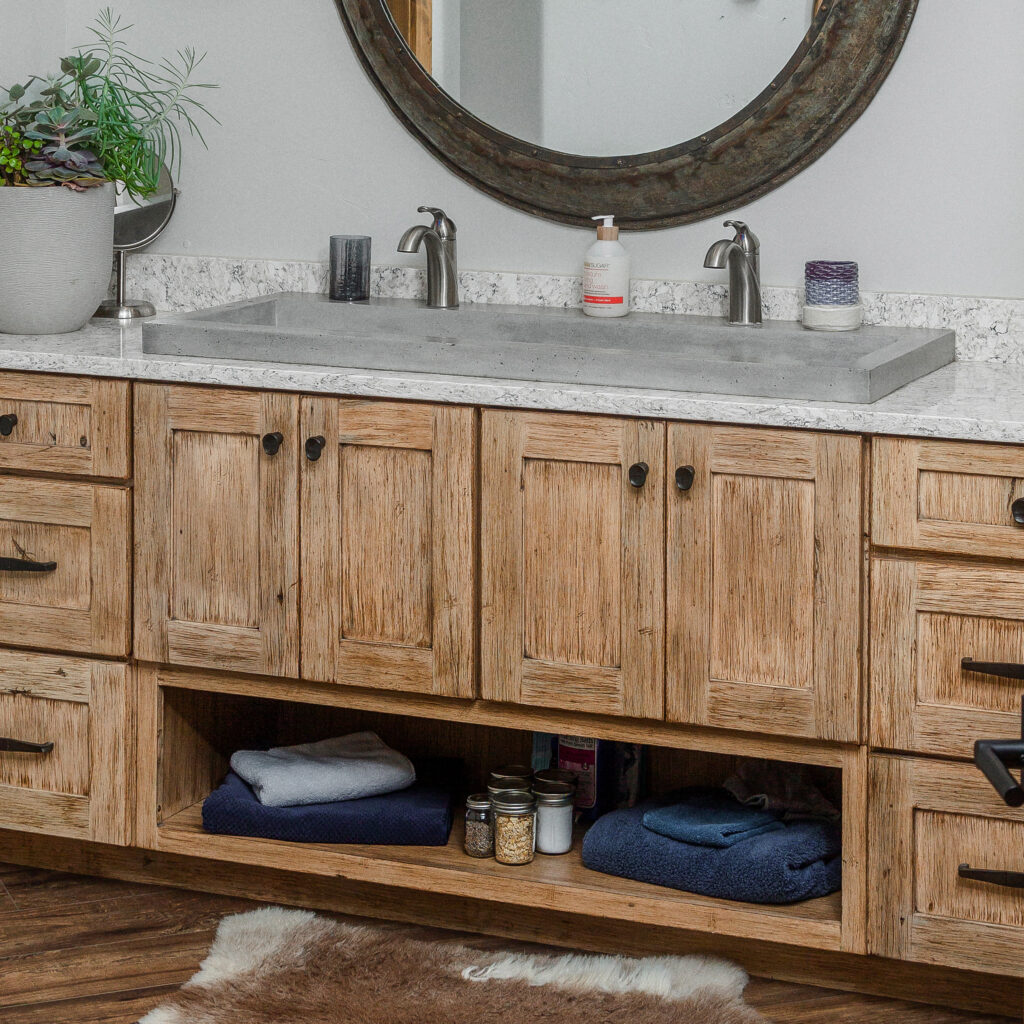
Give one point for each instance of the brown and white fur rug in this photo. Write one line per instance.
(277, 966)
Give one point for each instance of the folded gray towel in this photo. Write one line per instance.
(344, 768)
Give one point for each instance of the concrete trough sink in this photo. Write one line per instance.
(665, 352)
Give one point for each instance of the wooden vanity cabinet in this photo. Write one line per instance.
(388, 545)
(572, 562)
(764, 569)
(216, 532)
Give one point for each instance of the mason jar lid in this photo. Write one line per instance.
(558, 775)
(508, 786)
(513, 802)
(512, 771)
(479, 802)
(554, 794)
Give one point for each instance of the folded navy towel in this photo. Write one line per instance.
(710, 817)
(418, 816)
(798, 862)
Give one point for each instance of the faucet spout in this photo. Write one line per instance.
(442, 269)
(742, 256)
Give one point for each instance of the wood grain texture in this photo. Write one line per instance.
(83, 787)
(926, 818)
(925, 617)
(59, 915)
(71, 425)
(572, 563)
(217, 529)
(763, 573)
(84, 605)
(389, 542)
(947, 497)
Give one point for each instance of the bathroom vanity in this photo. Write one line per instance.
(248, 550)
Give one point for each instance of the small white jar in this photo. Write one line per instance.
(554, 817)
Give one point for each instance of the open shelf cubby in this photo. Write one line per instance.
(193, 733)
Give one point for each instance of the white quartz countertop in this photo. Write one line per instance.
(977, 401)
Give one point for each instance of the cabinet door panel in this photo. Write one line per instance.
(388, 546)
(927, 818)
(572, 563)
(925, 618)
(764, 581)
(216, 529)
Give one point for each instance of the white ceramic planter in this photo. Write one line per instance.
(56, 249)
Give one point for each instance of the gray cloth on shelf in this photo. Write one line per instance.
(344, 768)
(784, 789)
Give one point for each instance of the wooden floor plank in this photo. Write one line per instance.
(76, 950)
(33, 889)
(119, 1008)
(145, 915)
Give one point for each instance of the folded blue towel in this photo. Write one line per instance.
(798, 862)
(418, 816)
(710, 817)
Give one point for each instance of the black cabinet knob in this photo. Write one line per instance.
(7, 423)
(1017, 511)
(684, 477)
(638, 473)
(272, 442)
(315, 447)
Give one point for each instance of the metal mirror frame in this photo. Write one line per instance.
(835, 73)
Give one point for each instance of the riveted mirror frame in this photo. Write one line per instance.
(844, 58)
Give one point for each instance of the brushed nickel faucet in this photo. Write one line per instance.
(442, 265)
(743, 255)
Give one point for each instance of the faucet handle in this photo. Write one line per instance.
(745, 238)
(443, 224)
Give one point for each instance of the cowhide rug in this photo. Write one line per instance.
(277, 966)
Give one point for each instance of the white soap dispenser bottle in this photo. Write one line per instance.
(606, 273)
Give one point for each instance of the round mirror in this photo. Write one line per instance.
(662, 113)
(603, 77)
(137, 223)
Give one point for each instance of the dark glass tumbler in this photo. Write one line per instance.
(350, 268)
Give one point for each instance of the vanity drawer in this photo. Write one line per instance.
(77, 788)
(73, 593)
(72, 425)
(927, 819)
(925, 618)
(948, 497)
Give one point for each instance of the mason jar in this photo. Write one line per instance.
(479, 841)
(554, 817)
(515, 826)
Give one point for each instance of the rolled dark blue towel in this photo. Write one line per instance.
(710, 817)
(418, 816)
(799, 862)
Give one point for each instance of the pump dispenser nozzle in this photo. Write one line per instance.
(606, 232)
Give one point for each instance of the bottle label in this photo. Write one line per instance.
(596, 290)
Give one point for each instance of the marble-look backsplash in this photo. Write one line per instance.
(986, 329)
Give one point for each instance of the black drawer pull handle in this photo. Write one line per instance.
(23, 747)
(684, 477)
(1007, 879)
(272, 442)
(315, 447)
(1017, 511)
(637, 474)
(7, 423)
(1006, 669)
(23, 565)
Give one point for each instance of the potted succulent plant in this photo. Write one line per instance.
(109, 119)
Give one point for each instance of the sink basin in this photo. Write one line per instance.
(645, 350)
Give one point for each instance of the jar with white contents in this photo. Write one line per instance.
(554, 817)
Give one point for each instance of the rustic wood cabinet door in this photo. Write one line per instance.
(764, 541)
(572, 562)
(388, 574)
(926, 617)
(929, 817)
(216, 528)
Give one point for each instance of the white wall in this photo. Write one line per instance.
(926, 190)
